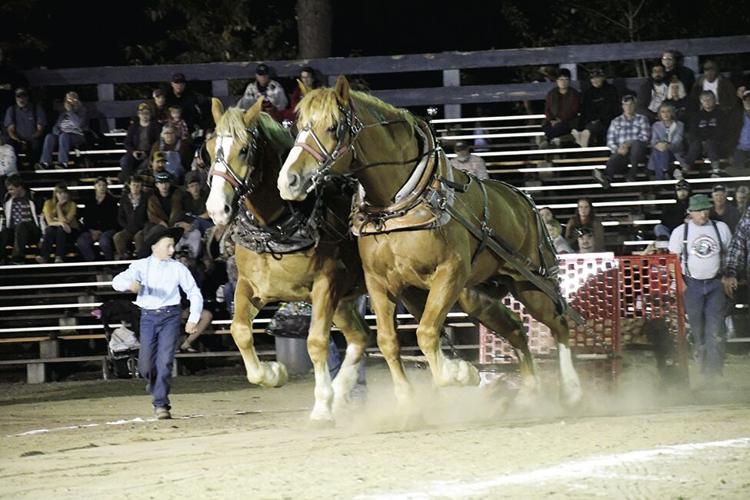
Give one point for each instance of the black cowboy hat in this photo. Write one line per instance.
(158, 232)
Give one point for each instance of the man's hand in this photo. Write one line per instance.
(184, 225)
(661, 146)
(135, 287)
(95, 234)
(730, 285)
(191, 328)
(623, 149)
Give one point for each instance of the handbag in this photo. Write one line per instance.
(291, 320)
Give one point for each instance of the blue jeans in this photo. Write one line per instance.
(160, 332)
(86, 245)
(706, 304)
(65, 143)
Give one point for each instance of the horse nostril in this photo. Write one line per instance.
(293, 180)
(227, 209)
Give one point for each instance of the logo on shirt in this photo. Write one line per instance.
(705, 247)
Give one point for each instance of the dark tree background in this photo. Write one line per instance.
(77, 33)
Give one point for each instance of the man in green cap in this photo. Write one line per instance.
(702, 245)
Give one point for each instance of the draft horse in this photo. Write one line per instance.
(423, 225)
(285, 251)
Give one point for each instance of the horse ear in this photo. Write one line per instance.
(253, 111)
(217, 109)
(343, 90)
(302, 87)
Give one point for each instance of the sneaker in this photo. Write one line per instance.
(187, 349)
(41, 166)
(601, 179)
(162, 413)
(58, 260)
(40, 260)
(58, 165)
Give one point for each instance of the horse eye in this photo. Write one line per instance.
(332, 129)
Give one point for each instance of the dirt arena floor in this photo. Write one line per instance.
(95, 439)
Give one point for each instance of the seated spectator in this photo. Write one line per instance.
(309, 79)
(585, 216)
(159, 109)
(677, 97)
(627, 137)
(741, 199)
(132, 216)
(600, 104)
(157, 164)
(194, 203)
(99, 223)
(561, 107)
(141, 137)
(68, 132)
(275, 97)
(8, 165)
(674, 215)
(672, 61)
(165, 208)
(706, 132)
(174, 151)
(666, 144)
(653, 93)
(194, 106)
(586, 242)
(24, 124)
(467, 162)
(721, 210)
(741, 153)
(21, 223)
(725, 95)
(62, 224)
(555, 233)
(178, 124)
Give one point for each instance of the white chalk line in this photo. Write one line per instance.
(595, 466)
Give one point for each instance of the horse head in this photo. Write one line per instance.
(244, 162)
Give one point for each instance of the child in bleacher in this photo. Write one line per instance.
(178, 123)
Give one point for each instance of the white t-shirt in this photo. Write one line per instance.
(713, 87)
(704, 254)
(7, 161)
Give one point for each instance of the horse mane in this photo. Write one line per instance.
(232, 123)
(321, 105)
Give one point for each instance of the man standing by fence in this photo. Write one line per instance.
(157, 280)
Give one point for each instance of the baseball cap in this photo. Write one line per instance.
(719, 188)
(627, 98)
(192, 176)
(158, 93)
(746, 94)
(261, 69)
(158, 156)
(596, 72)
(162, 177)
(144, 107)
(584, 231)
(21, 91)
(682, 184)
(178, 78)
(461, 146)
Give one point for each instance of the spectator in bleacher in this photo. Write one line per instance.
(627, 137)
(142, 135)
(585, 216)
(725, 94)
(554, 229)
(175, 151)
(674, 215)
(742, 198)
(309, 78)
(561, 107)
(275, 98)
(157, 281)
(165, 209)
(706, 132)
(652, 93)
(10, 79)
(157, 164)
(600, 104)
(178, 124)
(24, 125)
(678, 98)
(158, 103)
(586, 242)
(194, 203)
(721, 210)
(99, 223)
(672, 61)
(737, 266)
(194, 106)
(8, 165)
(60, 214)
(132, 216)
(21, 225)
(702, 244)
(68, 132)
(667, 144)
(741, 153)
(467, 162)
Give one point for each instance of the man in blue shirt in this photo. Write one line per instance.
(157, 280)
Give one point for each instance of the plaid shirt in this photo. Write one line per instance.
(737, 258)
(623, 130)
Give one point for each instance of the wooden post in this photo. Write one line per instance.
(452, 78)
(692, 63)
(106, 92)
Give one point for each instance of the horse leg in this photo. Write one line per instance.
(323, 297)
(271, 374)
(484, 303)
(354, 328)
(384, 309)
(543, 309)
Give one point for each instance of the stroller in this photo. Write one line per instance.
(122, 340)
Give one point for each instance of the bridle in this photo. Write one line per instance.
(241, 186)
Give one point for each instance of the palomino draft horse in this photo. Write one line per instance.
(284, 251)
(423, 225)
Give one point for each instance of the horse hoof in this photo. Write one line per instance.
(321, 423)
